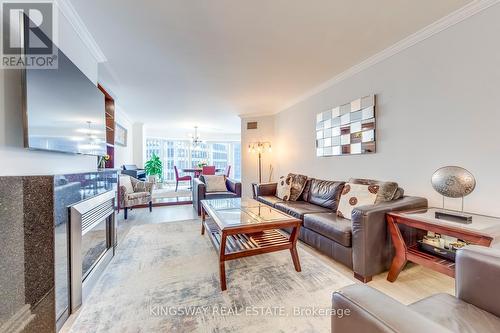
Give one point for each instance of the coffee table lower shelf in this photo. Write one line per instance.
(239, 245)
(243, 245)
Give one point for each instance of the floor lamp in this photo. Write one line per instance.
(259, 148)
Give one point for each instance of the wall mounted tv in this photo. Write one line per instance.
(63, 110)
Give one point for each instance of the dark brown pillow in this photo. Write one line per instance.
(386, 190)
(298, 184)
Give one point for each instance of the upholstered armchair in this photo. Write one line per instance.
(134, 192)
(233, 190)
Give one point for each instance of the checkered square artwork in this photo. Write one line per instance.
(348, 129)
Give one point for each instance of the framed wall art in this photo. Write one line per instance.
(120, 135)
(347, 129)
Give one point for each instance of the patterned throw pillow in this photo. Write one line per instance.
(298, 184)
(387, 190)
(356, 195)
(284, 187)
(215, 183)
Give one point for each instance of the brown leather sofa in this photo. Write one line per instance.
(476, 307)
(199, 192)
(362, 243)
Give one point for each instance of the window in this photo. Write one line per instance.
(182, 154)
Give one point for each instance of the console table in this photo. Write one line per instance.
(484, 230)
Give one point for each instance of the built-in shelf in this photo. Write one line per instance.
(109, 104)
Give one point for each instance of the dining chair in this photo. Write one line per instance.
(208, 170)
(227, 172)
(180, 179)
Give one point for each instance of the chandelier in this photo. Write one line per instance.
(195, 139)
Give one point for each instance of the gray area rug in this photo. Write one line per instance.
(165, 278)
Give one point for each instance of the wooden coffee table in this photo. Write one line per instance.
(244, 227)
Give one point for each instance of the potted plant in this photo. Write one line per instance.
(154, 169)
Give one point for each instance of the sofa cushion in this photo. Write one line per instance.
(298, 184)
(331, 226)
(138, 195)
(386, 190)
(299, 208)
(356, 195)
(325, 193)
(215, 183)
(456, 315)
(270, 200)
(284, 188)
(220, 195)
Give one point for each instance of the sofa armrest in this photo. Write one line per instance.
(372, 245)
(476, 277)
(199, 190)
(233, 186)
(265, 189)
(365, 309)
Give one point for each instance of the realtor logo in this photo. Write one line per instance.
(28, 35)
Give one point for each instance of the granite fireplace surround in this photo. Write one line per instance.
(34, 273)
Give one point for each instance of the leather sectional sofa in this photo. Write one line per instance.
(362, 243)
(476, 307)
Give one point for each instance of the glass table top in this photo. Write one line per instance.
(240, 212)
(481, 224)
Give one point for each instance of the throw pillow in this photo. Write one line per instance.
(399, 194)
(298, 184)
(283, 188)
(386, 192)
(215, 183)
(356, 195)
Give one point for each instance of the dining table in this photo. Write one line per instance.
(197, 171)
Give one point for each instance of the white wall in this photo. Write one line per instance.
(249, 161)
(15, 160)
(139, 145)
(124, 155)
(438, 104)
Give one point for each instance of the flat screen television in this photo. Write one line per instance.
(63, 110)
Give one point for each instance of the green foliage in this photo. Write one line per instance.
(154, 166)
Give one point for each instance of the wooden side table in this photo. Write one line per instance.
(482, 231)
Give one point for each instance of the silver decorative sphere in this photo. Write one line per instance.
(453, 182)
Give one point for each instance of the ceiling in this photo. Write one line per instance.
(181, 63)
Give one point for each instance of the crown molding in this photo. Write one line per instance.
(67, 9)
(438, 26)
(256, 115)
